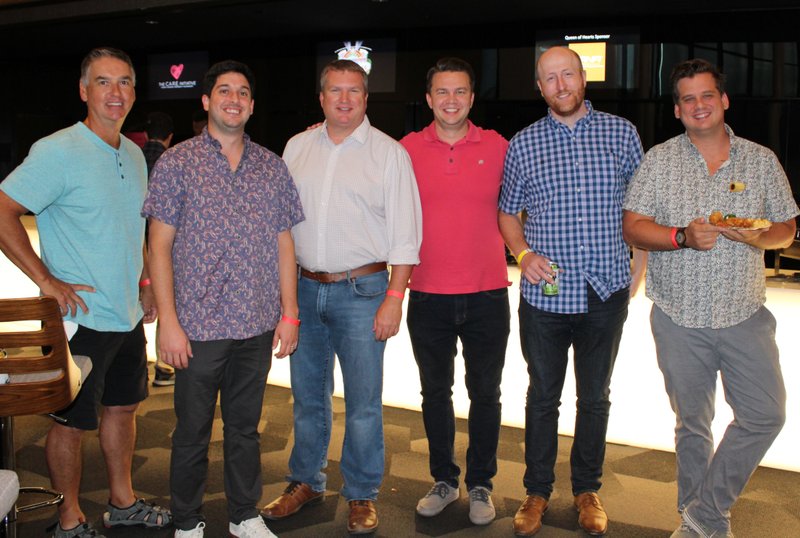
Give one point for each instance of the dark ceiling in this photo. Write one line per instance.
(34, 27)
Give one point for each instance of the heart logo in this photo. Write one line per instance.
(176, 71)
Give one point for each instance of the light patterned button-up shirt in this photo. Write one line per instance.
(359, 197)
(725, 285)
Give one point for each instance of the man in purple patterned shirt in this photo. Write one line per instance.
(223, 269)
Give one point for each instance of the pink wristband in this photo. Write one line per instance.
(395, 293)
(144, 282)
(293, 321)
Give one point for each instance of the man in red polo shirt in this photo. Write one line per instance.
(459, 289)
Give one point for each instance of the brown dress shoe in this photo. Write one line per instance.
(528, 519)
(363, 517)
(592, 517)
(294, 497)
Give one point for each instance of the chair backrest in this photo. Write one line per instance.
(43, 378)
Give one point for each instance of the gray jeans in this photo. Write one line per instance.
(709, 481)
(236, 370)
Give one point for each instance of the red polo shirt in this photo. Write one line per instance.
(459, 185)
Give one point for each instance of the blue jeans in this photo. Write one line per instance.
(435, 323)
(338, 319)
(546, 338)
(746, 356)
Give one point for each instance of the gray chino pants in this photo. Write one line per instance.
(710, 481)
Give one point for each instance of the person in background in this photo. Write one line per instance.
(159, 130)
(454, 293)
(569, 171)
(199, 121)
(362, 212)
(86, 185)
(221, 209)
(708, 290)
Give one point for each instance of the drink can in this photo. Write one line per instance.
(551, 289)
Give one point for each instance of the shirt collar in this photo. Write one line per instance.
(359, 134)
(733, 139)
(586, 120)
(429, 134)
(213, 142)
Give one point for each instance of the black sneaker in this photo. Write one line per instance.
(163, 378)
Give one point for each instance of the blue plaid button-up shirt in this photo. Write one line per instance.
(572, 183)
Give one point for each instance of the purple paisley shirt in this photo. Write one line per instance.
(225, 254)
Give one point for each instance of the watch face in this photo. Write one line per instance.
(680, 238)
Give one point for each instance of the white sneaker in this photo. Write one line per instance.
(437, 499)
(481, 507)
(251, 528)
(196, 532)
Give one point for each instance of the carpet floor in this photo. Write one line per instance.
(639, 489)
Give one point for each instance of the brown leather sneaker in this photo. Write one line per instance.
(528, 519)
(294, 497)
(363, 517)
(592, 517)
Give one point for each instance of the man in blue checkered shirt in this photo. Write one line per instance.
(569, 172)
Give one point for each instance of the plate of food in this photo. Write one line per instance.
(737, 223)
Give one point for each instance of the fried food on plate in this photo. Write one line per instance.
(737, 223)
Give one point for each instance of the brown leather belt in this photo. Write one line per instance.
(330, 278)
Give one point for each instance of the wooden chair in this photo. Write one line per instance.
(40, 376)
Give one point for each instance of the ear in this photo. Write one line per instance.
(725, 102)
(205, 101)
(539, 85)
(320, 98)
(83, 93)
(471, 99)
(430, 100)
(677, 111)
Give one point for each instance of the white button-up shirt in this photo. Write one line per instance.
(359, 197)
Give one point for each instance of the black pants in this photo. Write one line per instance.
(435, 323)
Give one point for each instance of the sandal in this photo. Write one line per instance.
(82, 530)
(139, 513)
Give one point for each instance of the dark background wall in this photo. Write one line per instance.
(756, 46)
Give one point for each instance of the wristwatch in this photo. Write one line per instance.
(680, 237)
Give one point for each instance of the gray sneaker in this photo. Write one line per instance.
(437, 499)
(481, 507)
(685, 531)
(691, 527)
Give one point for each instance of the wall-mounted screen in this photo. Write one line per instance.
(176, 75)
(609, 56)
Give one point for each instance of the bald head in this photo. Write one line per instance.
(560, 55)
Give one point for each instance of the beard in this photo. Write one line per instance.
(567, 107)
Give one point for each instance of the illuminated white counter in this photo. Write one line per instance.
(640, 412)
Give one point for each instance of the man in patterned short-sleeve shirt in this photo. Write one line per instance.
(569, 172)
(221, 209)
(707, 285)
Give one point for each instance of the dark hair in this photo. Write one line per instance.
(228, 66)
(451, 64)
(104, 52)
(343, 66)
(159, 125)
(689, 69)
